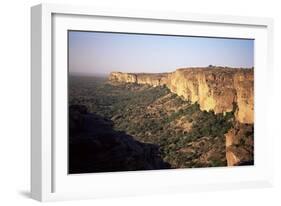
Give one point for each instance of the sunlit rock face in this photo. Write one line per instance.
(239, 142)
(218, 89)
(140, 78)
(212, 88)
(123, 77)
(215, 89)
(244, 84)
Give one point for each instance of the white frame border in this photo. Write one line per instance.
(42, 85)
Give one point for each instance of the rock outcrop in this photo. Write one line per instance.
(218, 89)
(240, 145)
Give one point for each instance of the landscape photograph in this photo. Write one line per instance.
(140, 102)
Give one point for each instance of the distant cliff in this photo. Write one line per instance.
(218, 89)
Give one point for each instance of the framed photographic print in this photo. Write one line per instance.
(137, 102)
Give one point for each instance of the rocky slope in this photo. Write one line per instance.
(239, 142)
(217, 89)
(94, 146)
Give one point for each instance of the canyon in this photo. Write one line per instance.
(214, 89)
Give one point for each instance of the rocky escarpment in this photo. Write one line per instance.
(215, 89)
(240, 144)
(219, 89)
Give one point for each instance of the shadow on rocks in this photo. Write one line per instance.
(94, 146)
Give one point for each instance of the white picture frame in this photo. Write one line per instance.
(49, 179)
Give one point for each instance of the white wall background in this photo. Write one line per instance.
(15, 101)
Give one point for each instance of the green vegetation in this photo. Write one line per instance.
(110, 100)
(154, 115)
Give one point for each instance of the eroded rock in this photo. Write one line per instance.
(218, 89)
(239, 143)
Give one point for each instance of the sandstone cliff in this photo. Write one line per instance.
(239, 142)
(218, 89)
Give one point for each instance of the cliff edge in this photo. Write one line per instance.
(218, 89)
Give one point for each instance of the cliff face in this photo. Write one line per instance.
(217, 89)
(239, 142)
(140, 78)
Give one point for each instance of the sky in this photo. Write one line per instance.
(99, 53)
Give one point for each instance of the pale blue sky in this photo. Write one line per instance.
(101, 53)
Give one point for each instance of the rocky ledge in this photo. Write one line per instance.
(218, 89)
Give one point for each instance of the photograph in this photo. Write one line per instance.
(142, 102)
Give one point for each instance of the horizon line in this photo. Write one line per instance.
(181, 68)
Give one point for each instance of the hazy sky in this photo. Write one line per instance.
(102, 53)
